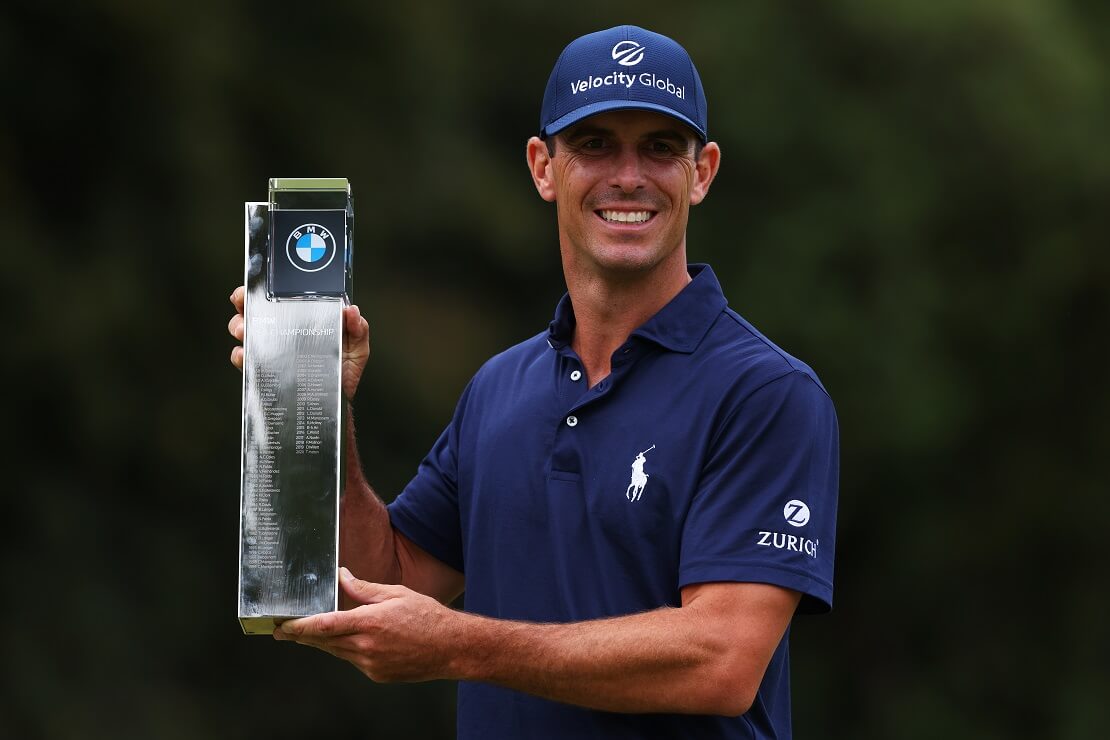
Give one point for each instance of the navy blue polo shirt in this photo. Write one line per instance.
(708, 454)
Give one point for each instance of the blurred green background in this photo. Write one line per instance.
(913, 199)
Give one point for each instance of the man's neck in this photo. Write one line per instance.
(607, 311)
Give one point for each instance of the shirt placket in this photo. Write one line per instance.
(580, 403)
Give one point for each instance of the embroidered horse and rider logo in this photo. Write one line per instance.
(639, 477)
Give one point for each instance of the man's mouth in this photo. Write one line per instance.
(626, 217)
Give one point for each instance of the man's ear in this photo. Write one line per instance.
(705, 170)
(539, 164)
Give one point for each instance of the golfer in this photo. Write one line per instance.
(638, 499)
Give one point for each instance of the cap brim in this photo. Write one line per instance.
(603, 106)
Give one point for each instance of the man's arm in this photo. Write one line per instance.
(367, 543)
(706, 657)
(373, 550)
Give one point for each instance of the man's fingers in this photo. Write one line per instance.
(309, 629)
(365, 592)
(237, 298)
(235, 326)
(352, 644)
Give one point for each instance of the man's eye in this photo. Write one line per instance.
(661, 147)
(593, 144)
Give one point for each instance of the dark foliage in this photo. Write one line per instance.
(913, 200)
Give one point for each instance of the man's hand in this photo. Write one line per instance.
(396, 634)
(356, 349)
(706, 657)
(356, 342)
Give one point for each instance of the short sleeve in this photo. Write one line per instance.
(427, 510)
(765, 507)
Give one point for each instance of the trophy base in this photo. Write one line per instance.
(261, 625)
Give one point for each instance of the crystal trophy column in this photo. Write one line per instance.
(298, 280)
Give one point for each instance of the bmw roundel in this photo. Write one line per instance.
(310, 247)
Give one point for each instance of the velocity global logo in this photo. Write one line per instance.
(628, 53)
(310, 248)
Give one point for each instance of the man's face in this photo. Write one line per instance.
(623, 183)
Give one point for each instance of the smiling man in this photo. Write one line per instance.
(637, 500)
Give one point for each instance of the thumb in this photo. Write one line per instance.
(363, 592)
(358, 330)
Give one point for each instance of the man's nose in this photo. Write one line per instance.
(628, 174)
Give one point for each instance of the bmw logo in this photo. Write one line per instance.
(310, 248)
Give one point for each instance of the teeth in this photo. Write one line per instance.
(630, 217)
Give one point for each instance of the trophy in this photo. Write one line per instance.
(298, 280)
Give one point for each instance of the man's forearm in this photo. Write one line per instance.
(371, 549)
(366, 543)
(666, 660)
(706, 657)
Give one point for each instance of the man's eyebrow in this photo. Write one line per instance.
(669, 134)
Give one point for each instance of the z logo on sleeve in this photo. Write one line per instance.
(796, 513)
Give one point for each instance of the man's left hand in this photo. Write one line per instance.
(396, 634)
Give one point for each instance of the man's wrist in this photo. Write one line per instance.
(467, 648)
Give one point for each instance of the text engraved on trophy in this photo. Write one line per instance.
(310, 404)
(263, 478)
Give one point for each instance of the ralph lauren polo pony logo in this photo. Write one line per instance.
(639, 477)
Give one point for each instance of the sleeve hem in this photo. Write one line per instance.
(422, 536)
(816, 593)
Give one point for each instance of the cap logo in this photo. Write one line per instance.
(628, 53)
(587, 81)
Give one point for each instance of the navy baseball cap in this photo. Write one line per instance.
(618, 69)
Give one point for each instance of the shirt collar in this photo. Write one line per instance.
(678, 326)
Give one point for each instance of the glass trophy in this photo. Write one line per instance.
(298, 280)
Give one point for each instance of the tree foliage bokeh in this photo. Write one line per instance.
(913, 199)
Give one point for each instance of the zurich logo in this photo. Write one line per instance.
(628, 53)
(796, 513)
(310, 248)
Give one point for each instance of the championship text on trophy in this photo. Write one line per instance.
(298, 280)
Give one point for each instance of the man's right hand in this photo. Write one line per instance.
(356, 342)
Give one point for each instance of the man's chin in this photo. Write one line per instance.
(629, 263)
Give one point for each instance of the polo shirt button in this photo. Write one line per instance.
(572, 421)
(576, 375)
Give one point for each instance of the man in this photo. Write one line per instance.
(596, 605)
